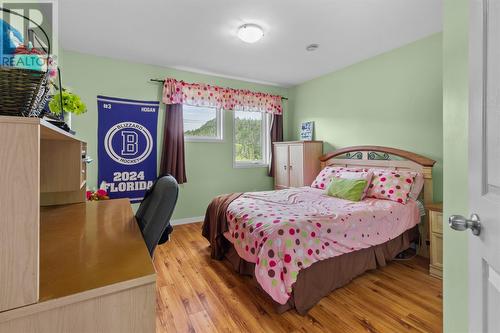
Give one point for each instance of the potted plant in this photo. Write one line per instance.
(71, 103)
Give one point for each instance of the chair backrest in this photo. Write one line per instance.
(155, 211)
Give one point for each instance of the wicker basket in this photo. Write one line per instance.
(23, 92)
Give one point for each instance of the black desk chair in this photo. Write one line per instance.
(155, 211)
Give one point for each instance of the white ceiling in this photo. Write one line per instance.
(200, 35)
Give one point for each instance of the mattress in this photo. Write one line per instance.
(284, 232)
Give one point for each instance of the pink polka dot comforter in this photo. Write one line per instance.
(285, 231)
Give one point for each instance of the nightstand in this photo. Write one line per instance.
(435, 211)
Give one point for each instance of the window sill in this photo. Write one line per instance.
(249, 165)
(206, 140)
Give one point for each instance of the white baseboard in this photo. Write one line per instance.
(187, 220)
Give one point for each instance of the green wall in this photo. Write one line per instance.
(394, 99)
(209, 165)
(455, 114)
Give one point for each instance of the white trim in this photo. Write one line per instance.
(269, 144)
(187, 220)
(243, 165)
(265, 136)
(207, 139)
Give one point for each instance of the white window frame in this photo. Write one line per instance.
(220, 128)
(265, 139)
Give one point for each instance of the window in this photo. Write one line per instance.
(251, 138)
(202, 123)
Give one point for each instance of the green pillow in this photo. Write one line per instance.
(348, 189)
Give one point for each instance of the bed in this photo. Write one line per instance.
(300, 244)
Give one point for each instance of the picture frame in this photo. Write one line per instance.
(306, 131)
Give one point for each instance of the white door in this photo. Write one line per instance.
(484, 167)
(296, 165)
(281, 175)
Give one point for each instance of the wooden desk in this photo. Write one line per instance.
(96, 274)
(90, 245)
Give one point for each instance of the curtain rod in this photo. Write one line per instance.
(163, 81)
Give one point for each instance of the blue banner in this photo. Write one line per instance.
(127, 146)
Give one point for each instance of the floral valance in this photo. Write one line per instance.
(199, 94)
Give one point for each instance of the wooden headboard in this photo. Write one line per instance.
(384, 157)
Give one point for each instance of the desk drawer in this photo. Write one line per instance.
(436, 264)
(436, 219)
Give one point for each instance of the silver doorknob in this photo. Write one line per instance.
(460, 223)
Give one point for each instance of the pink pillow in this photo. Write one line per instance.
(364, 175)
(394, 185)
(323, 178)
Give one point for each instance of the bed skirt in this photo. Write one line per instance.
(322, 277)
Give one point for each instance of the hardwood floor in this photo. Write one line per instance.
(198, 294)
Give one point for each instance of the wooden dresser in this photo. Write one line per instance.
(435, 211)
(296, 163)
(65, 265)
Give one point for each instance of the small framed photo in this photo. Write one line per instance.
(306, 131)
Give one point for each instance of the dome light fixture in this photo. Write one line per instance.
(250, 33)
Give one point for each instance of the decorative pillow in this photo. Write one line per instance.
(357, 175)
(392, 185)
(327, 173)
(417, 186)
(348, 189)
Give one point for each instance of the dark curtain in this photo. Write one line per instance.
(172, 155)
(276, 136)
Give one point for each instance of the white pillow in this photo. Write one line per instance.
(323, 178)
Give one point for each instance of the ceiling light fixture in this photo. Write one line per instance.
(312, 47)
(250, 33)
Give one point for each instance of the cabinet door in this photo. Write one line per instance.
(20, 209)
(296, 157)
(281, 166)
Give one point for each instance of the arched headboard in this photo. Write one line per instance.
(384, 157)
